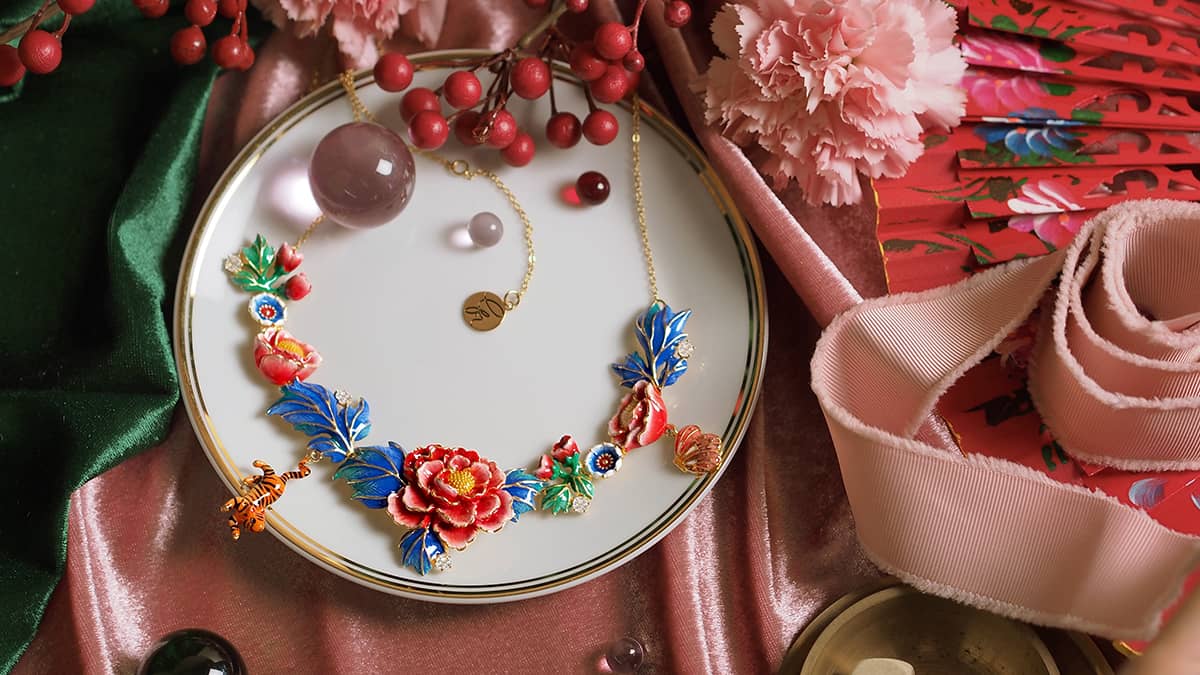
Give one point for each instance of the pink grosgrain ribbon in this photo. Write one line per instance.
(1116, 379)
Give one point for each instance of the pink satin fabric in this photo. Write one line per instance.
(992, 533)
(724, 593)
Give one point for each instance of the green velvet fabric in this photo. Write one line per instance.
(96, 168)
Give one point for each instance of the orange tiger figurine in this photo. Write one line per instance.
(259, 493)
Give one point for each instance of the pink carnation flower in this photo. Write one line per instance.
(834, 88)
(357, 24)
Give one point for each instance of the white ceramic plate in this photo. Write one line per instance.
(385, 315)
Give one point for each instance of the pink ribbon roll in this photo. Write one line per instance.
(1116, 379)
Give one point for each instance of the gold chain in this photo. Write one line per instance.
(460, 167)
(640, 202)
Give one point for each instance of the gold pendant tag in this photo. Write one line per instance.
(483, 311)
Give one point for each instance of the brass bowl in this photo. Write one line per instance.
(936, 636)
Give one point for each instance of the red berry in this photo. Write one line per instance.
(585, 63)
(199, 12)
(229, 52)
(11, 68)
(577, 6)
(612, 86)
(188, 45)
(393, 72)
(600, 127)
(230, 8)
(530, 78)
(504, 129)
(462, 89)
(464, 128)
(677, 13)
(635, 62)
(592, 187)
(40, 51)
(418, 100)
(428, 130)
(247, 58)
(152, 9)
(298, 287)
(612, 40)
(75, 6)
(563, 130)
(520, 151)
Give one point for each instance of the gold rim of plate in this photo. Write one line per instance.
(430, 589)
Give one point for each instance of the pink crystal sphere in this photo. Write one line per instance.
(361, 174)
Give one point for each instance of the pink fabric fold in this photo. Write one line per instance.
(975, 528)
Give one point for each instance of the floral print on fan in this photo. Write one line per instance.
(1027, 145)
(1043, 196)
(1056, 229)
(1004, 51)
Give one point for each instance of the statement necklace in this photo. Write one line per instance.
(443, 496)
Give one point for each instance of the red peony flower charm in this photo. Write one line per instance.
(283, 358)
(454, 490)
(641, 419)
(564, 448)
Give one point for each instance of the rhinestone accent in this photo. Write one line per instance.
(233, 263)
(342, 397)
(685, 349)
(442, 562)
(580, 504)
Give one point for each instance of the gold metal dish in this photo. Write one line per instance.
(936, 636)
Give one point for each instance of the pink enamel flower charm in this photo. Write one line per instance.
(564, 448)
(641, 418)
(455, 491)
(283, 358)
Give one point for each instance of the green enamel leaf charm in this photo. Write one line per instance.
(556, 498)
(259, 272)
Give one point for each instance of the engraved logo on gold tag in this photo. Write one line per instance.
(483, 311)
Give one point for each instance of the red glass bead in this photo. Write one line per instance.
(11, 68)
(600, 127)
(520, 152)
(229, 51)
(635, 62)
(577, 6)
(563, 130)
(585, 63)
(504, 129)
(188, 45)
(612, 86)
(75, 6)
(418, 100)
(393, 72)
(428, 130)
(199, 12)
(230, 8)
(530, 78)
(40, 51)
(677, 13)
(612, 40)
(464, 128)
(462, 89)
(592, 187)
(152, 9)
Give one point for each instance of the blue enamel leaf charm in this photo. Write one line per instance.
(524, 488)
(664, 348)
(420, 549)
(374, 472)
(333, 429)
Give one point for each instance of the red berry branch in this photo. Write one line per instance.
(40, 51)
(610, 63)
